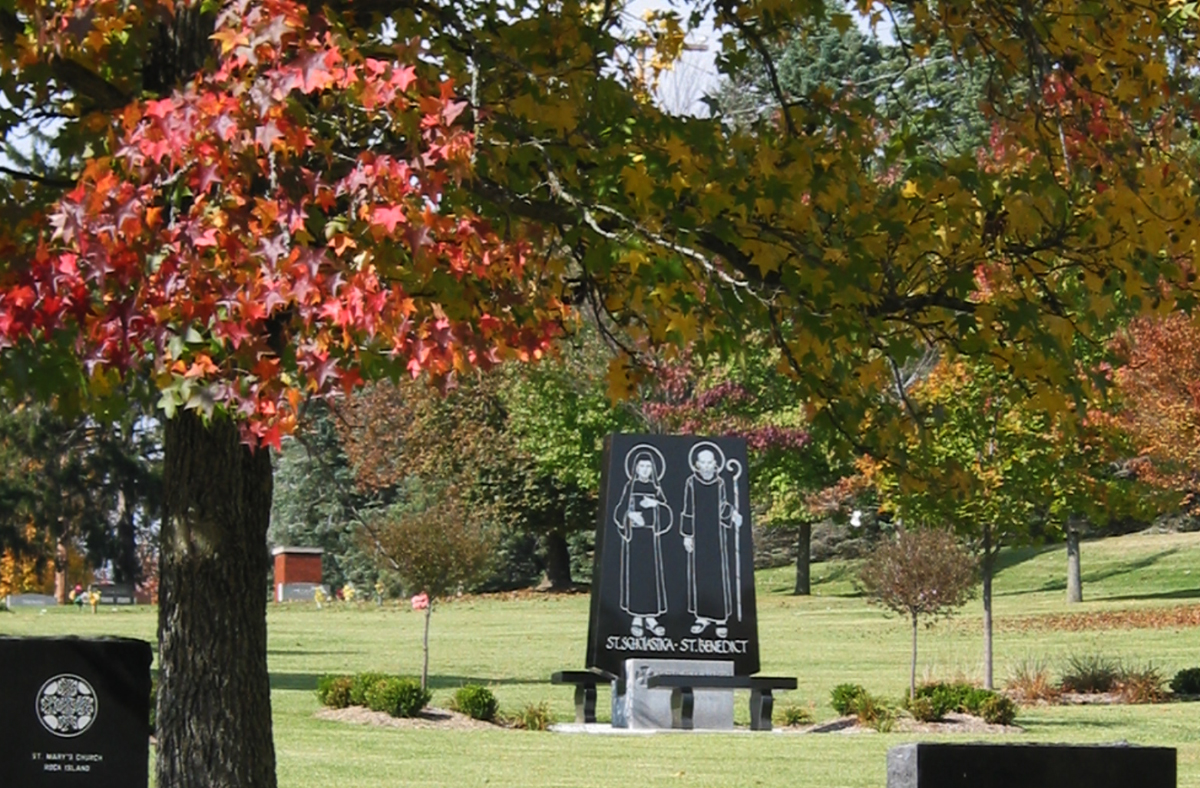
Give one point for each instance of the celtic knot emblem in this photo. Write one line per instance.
(66, 705)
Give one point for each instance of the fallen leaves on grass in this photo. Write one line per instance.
(1179, 617)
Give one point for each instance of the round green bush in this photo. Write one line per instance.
(476, 701)
(398, 697)
(844, 698)
(998, 710)
(1186, 682)
(360, 684)
(335, 691)
(924, 709)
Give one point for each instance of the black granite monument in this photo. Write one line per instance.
(976, 765)
(74, 712)
(674, 570)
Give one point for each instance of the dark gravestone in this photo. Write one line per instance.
(674, 574)
(925, 765)
(115, 593)
(74, 712)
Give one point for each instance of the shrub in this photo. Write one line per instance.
(794, 714)
(334, 691)
(924, 710)
(534, 717)
(1090, 673)
(398, 697)
(998, 710)
(843, 697)
(475, 701)
(1141, 685)
(1030, 682)
(874, 712)
(1186, 682)
(360, 684)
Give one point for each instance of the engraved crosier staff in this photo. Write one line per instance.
(736, 467)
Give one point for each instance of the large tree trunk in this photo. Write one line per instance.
(1074, 579)
(214, 699)
(558, 562)
(803, 565)
(988, 562)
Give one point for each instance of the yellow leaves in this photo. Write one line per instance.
(767, 257)
(635, 259)
(686, 325)
(561, 115)
(621, 379)
(230, 39)
(910, 190)
(677, 150)
(637, 181)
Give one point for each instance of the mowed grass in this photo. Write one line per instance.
(513, 643)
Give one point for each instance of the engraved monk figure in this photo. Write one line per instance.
(642, 517)
(707, 525)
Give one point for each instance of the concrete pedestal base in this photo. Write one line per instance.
(636, 706)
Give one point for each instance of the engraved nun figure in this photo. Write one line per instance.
(642, 516)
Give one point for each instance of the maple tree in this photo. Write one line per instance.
(1160, 388)
(248, 206)
(991, 465)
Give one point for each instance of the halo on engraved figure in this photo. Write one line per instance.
(706, 446)
(645, 451)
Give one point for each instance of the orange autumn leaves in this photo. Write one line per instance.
(229, 244)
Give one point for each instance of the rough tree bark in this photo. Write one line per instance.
(1074, 578)
(803, 563)
(214, 701)
(558, 561)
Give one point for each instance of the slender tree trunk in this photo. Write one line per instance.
(558, 561)
(803, 563)
(425, 646)
(1074, 579)
(912, 676)
(988, 560)
(60, 570)
(214, 699)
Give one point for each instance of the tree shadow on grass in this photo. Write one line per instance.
(1125, 568)
(305, 682)
(1060, 583)
(1186, 593)
(1031, 725)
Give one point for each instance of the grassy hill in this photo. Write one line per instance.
(1135, 588)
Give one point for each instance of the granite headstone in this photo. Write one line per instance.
(673, 576)
(1022, 765)
(74, 712)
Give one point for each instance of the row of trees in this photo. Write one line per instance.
(229, 211)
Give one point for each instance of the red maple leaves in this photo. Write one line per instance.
(242, 247)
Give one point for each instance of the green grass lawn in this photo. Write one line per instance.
(513, 644)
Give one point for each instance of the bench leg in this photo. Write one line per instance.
(762, 703)
(683, 704)
(585, 703)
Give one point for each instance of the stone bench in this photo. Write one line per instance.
(762, 700)
(585, 682)
(977, 765)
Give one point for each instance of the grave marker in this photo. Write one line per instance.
(74, 712)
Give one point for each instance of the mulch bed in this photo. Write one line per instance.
(429, 719)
